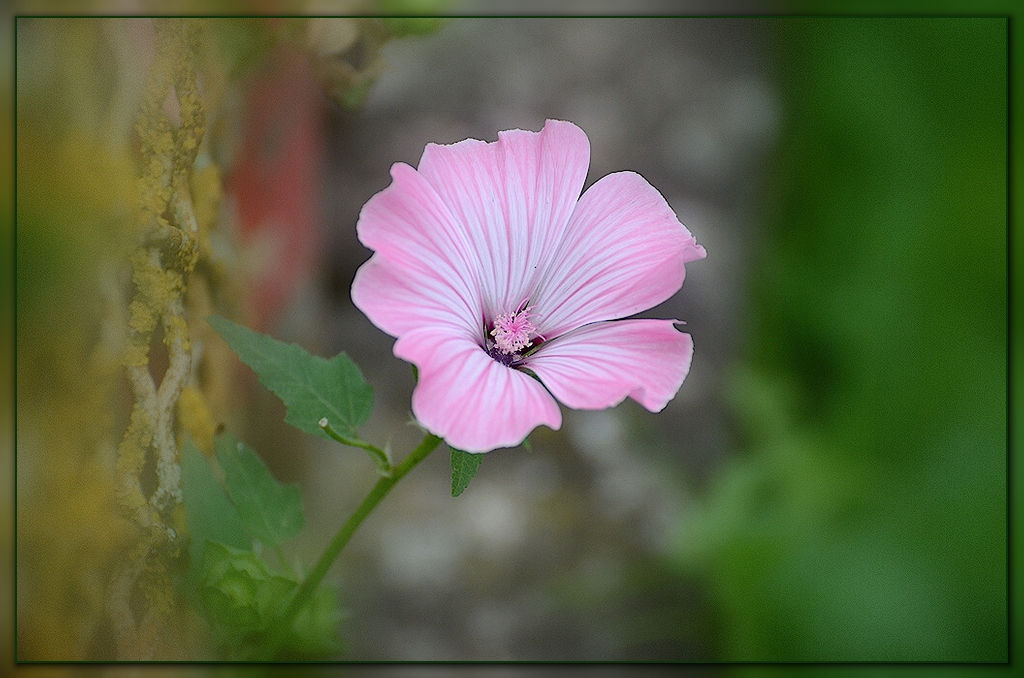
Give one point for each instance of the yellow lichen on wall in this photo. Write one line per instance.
(115, 268)
(170, 126)
(73, 189)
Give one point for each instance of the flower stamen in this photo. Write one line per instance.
(513, 331)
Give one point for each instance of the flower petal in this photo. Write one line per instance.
(623, 252)
(598, 365)
(397, 304)
(473, 402)
(514, 197)
(422, 263)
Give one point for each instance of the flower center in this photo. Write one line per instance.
(512, 331)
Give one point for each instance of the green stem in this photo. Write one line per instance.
(379, 455)
(280, 628)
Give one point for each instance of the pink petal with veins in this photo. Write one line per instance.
(473, 402)
(622, 253)
(599, 365)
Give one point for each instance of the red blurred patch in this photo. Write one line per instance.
(276, 182)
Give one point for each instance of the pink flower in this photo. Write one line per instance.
(506, 287)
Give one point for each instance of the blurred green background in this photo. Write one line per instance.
(866, 518)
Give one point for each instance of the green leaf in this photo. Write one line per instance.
(270, 511)
(464, 466)
(314, 632)
(209, 513)
(241, 597)
(311, 387)
(231, 581)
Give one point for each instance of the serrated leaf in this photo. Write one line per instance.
(209, 513)
(311, 387)
(270, 511)
(464, 466)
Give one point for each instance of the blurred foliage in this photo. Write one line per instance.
(241, 596)
(866, 518)
(232, 528)
(349, 48)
